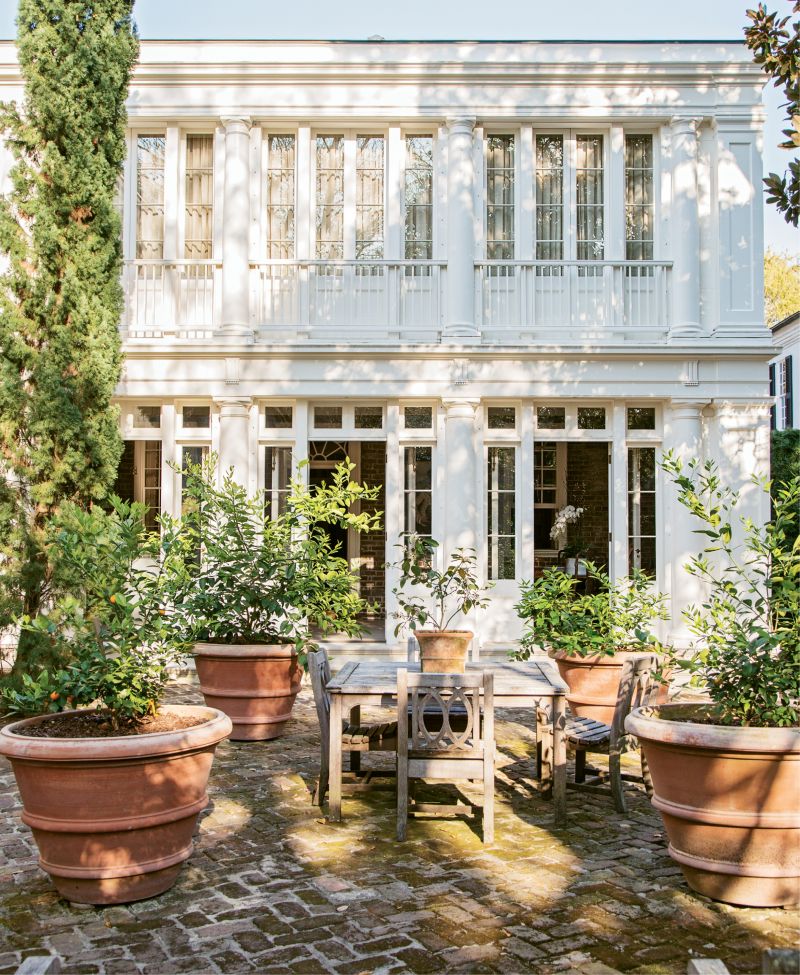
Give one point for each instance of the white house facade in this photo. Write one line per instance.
(500, 276)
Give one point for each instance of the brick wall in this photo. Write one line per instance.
(373, 545)
(587, 487)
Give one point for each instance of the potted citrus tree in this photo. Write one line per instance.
(112, 782)
(251, 588)
(430, 600)
(590, 634)
(726, 773)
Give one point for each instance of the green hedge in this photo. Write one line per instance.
(785, 455)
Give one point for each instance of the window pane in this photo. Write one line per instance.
(150, 153)
(549, 198)
(417, 485)
(639, 198)
(500, 198)
(277, 479)
(642, 509)
(198, 223)
(641, 418)
(280, 196)
(502, 417)
(418, 417)
(589, 197)
(369, 197)
(196, 417)
(152, 483)
(591, 418)
(330, 197)
(147, 416)
(278, 417)
(551, 417)
(369, 417)
(419, 198)
(328, 417)
(501, 501)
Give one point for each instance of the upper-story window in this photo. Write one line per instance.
(280, 196)
(589, 197)
(150, 154)
(370, 153)
(500, 198)
(330, 197)
(199, 202)
(418, 198)
(549, 198)
(639, 198)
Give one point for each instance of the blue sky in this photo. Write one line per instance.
(473, 20)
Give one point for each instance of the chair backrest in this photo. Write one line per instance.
(637, 689)
(441, 713)
(320, 669)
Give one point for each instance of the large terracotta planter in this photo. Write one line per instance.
(594, 683)
(443, 651)
(113, 817)
(730, 801)
(255, 684)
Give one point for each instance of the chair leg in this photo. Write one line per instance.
(648, 780)
(544, 752)
(488, 802)
(580, 765)
(402, 803)
(322, 782)
(615, 775)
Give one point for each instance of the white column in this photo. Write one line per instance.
(685, 229)
(684, 436)
(234, 437)
(461, 507)
(740, 447)
(461, 228)
(236, 228)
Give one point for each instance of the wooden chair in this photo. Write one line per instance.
(356, 737)
(637, 689)
(431, 746)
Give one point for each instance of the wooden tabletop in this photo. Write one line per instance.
(511, 680)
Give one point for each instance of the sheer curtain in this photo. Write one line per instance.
(280, 196)
(500, 198)
(419, 198)
(330, 197)
(549, 199)
(370, 153)
(198, 225)
(150, 152)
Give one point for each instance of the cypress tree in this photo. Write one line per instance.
(60, 292)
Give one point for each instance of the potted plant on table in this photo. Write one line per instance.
(248, 586)
(590, 634)
(726, 773)
(451, 593)
(111, 782)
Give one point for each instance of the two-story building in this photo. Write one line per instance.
(501, 277)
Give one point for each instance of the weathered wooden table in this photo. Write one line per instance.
(532, 684)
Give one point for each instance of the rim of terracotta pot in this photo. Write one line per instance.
(216, 727)
(599, 659)
(255, 650)
(648, 724)
(468, 633)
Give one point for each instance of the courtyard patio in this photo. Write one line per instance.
(272, 887)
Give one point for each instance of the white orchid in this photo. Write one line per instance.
(567, 515)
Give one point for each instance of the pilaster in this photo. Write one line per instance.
(234, 437)
(236, 229)
(461, 228)
(685, 230)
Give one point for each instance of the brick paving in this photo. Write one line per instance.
(272, 887)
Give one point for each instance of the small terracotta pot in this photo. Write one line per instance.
(255, 684)
(594, 683)
(113, 817)
(443, 651)
(729, 801)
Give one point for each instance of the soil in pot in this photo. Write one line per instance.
(729, 801)
(443, 651)
(113, 817)
(254, 684)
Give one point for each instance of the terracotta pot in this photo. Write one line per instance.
(594, 683)
(255, 684)
(113, 817)
(443, 651)
(729, 801)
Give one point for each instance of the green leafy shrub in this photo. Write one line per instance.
(749, 623)
(618, 616)
(453, 591)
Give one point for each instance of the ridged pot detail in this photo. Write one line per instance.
(255, 684)
(729, 801)
(113, 817)
(594, 683)
(443, 651)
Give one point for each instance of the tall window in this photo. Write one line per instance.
(642, 509)
(191, 454)
(277, 479)
(280, 197)
(639, 198)
(151, 481)
(198, 226)
(419, 198)
(545, 492)
(500, 505)
(589, 197)
(784, 393)
(370, 150)
(150, 152)
(500, 198)
(549, 198)
(330, 197)
(418, 490)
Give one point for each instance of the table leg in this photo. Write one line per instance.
(559, 760)
(335, 758)
(355, 757)
(544, 748)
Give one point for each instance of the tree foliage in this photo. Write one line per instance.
(781, 286)
(60, 294)
(775, 43)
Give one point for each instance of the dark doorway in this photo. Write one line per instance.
(336, 533)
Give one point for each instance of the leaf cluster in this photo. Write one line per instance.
(748, 624)
(618, 616)
(449, 593)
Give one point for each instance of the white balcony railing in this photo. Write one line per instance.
(391, 295)
(165, 298)
(589, 295)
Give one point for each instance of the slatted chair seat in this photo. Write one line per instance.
(580, 731)
(364, 734)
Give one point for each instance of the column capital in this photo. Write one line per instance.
(461, 123)
(689, 409)
(461, 408)
(685, 124)
(233, 406)
(236, 124)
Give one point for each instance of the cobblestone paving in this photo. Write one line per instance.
(273, 888)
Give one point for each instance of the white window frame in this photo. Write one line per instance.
(505, 444)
